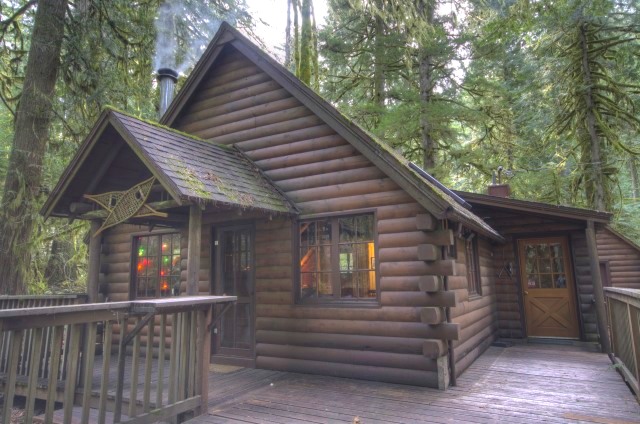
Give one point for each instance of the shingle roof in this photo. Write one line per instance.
(190, 169)
(202, 171)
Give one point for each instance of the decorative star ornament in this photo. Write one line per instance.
(123, 205)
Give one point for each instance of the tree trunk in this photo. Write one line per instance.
(287, 37)
(58, 270)
(305, 43)
(426, 10)
(598, 196)
(24, 175)
(379, 62)
(633, 170)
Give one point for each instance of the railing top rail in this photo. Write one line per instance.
(631, 296)
(93, 312)
(43, 296)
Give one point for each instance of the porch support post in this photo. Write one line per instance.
(193, 250)
(93, 271)
(598, 292)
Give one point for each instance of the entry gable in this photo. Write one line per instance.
(239, 95)
(189, 169)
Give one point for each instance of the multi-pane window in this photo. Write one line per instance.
(544, 265)
(474, 282)
(157, 265)
(337, 259)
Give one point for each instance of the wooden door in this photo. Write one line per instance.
(234, 335)
(548, 288)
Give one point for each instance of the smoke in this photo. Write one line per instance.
(184, 29)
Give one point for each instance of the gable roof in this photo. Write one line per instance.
(437, 201)
(190, 169)
(579, 214)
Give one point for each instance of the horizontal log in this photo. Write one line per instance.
(274, 285)
(274, 259)
(300, 171)
(231, 86)
(442, 267)
(409, 283)
(274, 298)
(461, 348)
(274, 116)
(308, 157)
(431, 315)
(271, 94)
(428, 252)
(426, 222)
(408, 239)
(267, 130)
(358, 327)
(221, 120)
(395, 254)
(344, 356)
(472, 355)
(343, 190)
(289, 137)
(342, 341)
(307, 145)
(242, 91)
(317, 179)
(468, 306)
(266, 247)
(430, 283)
(396, 225)
(390, 375)
(398, 210)
(443, 299)
(440, 237)
(387, 313)
(434, 348)
(363, 201)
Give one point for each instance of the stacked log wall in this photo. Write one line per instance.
(322, 173)
(476, 314)
(622, 256)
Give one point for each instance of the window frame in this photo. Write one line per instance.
(472, 263)
(133, 279)
(335, 262)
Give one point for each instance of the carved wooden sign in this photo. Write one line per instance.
(123, 205)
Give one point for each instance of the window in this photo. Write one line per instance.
(337, 259)
(157, 262)
(474, 283)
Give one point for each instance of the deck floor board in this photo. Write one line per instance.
(520, 384)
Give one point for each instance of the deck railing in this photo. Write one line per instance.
(624, 323)
(159, 373)
(33, 301)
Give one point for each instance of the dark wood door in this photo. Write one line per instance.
(234, 335)
(548, 288)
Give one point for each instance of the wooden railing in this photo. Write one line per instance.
(158, 370)
(624, 323)
(39, 301)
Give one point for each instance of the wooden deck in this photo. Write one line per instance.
(526, 383)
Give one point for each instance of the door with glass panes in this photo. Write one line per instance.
(548, 288)
(234, 276)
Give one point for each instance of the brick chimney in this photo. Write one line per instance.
(498, 189)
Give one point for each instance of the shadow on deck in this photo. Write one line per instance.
(520, 384)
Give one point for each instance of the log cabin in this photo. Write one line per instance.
(346, 259)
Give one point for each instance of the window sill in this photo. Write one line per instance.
(474, 296)
(373, 303)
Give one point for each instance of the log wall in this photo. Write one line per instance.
(622, 257)
(477, 315)
(322, 173)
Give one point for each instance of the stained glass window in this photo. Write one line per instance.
(157, 262)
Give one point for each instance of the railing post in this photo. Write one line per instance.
(204, 352)
(634, 325)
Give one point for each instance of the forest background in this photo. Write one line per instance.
(546, 90)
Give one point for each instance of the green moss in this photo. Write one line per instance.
(165, 128)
